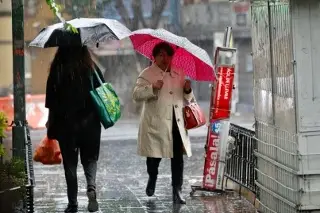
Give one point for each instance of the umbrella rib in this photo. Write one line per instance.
(103, 29)
(185, 50)
(111, 31)
(153, 38)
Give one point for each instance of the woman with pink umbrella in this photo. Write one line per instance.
(163, 89)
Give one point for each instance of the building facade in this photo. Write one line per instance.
(202, 20)
(5, 47)
(37, 61)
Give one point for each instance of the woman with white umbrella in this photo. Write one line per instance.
(73, 118)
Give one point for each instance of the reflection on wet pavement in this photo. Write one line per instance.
(121, 182)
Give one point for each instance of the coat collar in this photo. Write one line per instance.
(173, 72)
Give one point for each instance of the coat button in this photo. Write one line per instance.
(171, 92)
(176, 106)
(178, 120)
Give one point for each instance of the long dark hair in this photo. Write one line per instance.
(72, 59)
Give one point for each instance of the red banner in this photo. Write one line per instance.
(220, 105)
(219, 110)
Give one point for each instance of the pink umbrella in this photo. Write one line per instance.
(195, 61)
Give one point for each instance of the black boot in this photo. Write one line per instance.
(151, 186)
(93, 205)
(177, 197)
(71, 208)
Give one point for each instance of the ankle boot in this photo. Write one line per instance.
(177, 197)
(93, 205)
(151, 186)
(71, 208)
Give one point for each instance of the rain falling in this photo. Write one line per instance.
(80, 55)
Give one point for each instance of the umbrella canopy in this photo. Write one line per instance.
(195, 61)
(91, 31)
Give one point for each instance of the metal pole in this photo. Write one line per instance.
(227, 37)
(273, 79)
(18, 134)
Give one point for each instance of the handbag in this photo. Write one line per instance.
(106, 101)
(193, 115)
(48, 152)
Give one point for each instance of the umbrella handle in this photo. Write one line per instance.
(165, 72)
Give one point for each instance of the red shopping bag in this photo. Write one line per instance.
(48, 152)
(193, 116)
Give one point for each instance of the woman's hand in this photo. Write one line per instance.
(158, 85)
(187, 86)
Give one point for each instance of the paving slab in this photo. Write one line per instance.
(121, 182)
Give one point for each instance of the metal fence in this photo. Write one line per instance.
(240, 167)
(27, 198)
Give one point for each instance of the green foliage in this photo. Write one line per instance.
(12, 173)
(70, 28)
(1, 150)
(3, 124)
(56, 8)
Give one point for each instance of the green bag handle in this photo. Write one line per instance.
(100, 82)
(97, 76)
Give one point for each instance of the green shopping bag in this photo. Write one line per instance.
(106, 101)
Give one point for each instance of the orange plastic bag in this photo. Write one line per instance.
(48, 152)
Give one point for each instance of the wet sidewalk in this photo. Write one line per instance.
(121, 182)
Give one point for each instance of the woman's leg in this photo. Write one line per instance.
(89, 153)
(177, 164)
(70, 161)
(152, 169)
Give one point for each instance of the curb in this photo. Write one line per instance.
(242, 191)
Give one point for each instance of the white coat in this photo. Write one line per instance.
(155, 129)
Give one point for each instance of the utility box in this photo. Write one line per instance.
(286, 60)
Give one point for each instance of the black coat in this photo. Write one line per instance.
(68, 99)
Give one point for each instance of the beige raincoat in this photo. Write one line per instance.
(155, 130)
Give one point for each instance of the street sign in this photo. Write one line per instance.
(218, 129)
(220, 110)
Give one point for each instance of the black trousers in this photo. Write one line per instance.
(177, 163)
(84, 139)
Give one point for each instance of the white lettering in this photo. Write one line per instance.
(209, 181)
(227, 85)
(213, 161)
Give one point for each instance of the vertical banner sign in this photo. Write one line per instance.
(218, 129)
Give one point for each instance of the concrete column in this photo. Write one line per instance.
(286, 60)
(306, 51)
